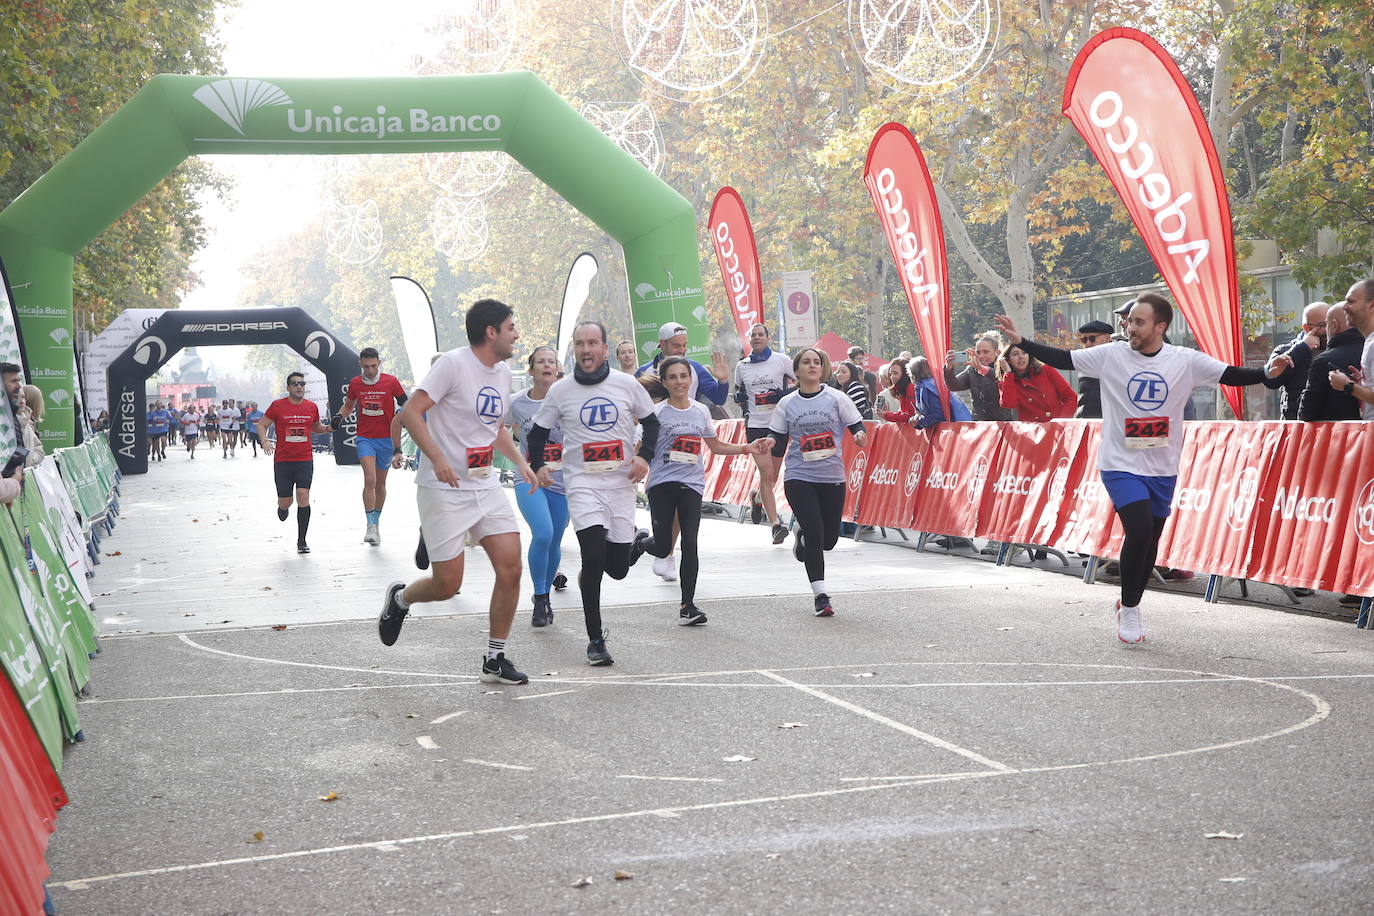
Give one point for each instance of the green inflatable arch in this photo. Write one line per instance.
(178, 116)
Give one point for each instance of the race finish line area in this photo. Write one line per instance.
(959, 737)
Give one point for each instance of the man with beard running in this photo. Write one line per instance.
(376, 395)
(294, 465)
(1145, 386)
(455, 418)
(596, 410)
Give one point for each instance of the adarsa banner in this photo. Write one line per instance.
(732, 237)
(898, 180)
(1139, 116)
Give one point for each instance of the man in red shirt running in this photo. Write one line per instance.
(376, 395)
(294, 463)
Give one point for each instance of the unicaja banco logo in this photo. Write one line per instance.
(232, 99)
(59, 396)
(60, 337)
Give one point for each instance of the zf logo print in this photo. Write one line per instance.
(1147, 390)
(599, 414)
(490, 407)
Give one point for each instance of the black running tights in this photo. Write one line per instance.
(666, 502)
(598, 556)
(817, 508)
(1139, 546)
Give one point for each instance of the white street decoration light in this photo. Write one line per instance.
(924, 44)
(353, 233)
(693, 48)
(632, 127)
(467, 175)
(471, 36)
(459, 227)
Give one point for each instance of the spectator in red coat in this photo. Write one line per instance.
(1035, 391)
(897, 403)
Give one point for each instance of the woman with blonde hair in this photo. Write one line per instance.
(30, 415)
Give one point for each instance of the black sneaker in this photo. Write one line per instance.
(421, 554)
(641, 537)
(756, 508)
(560, 582)
(690, 616)
(499, 670)
(283, 514)
(393, 615)
(823, 608)
(798, 548)
(597, 656)
(779, 533)
(302, 547)
(543, 611)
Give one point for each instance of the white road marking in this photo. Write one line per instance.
(673, 778)
(426, 742)
(80, 884)
(493, 763)
(287, 691)
(279, 661)
(893, 723)
(535, 696)
(444, 718)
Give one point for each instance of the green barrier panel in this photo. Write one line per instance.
(69, 546)
(174, 117)
(81, 482)
(54, 582)
(96, 453)
(23, 664)
(44, 623)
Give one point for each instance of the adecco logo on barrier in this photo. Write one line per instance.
(1362, 518)
(1059, 482)
(883, 476)
(977, 478)
(1291, 504)
(1242, 503)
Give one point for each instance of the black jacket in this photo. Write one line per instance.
(1319, 400)
(1089, 398)
(987, 403)
(1293, 379)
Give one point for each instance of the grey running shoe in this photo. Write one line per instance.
(597, 655)
(389, 624)
(499, 670)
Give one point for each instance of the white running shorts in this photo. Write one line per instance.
(449, 515)
(613, 508)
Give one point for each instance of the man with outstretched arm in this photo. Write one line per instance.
(455, 419)
(1145, 385)
(376, 396)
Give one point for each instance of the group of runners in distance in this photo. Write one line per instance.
(231, 424)
(580, 445)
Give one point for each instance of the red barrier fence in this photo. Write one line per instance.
(30, 795)
(1287, 503)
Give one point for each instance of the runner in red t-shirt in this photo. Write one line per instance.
(376, 395)
(294, 465)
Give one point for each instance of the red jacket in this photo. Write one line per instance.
(1039, 396)
(906, 408)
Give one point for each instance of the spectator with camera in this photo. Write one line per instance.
(978, 377)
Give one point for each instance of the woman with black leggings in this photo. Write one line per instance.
(808, 427)
(677, 478)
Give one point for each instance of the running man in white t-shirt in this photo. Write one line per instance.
(1145, 386)
(760, 380)
(597, 408)
(455, 417)
(229, 417)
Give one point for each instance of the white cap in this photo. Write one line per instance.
(671, 330)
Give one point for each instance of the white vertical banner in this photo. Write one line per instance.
(798, 308)
(418, 331)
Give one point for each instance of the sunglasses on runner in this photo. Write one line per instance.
(296, 384)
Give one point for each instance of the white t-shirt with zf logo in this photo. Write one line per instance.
(1143, 398)
(598, 428)
(470, 400)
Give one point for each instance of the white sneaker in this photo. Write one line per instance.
(373, 536)
(666, 569)
(1130, 629)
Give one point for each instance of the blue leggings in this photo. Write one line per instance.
(547, 515)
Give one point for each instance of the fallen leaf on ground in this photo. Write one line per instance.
(738, 758)
(257, 837)
(792, 725)
(195, 519)
(1222, 835)
(582, 882)
(549, 674)
(267, 588)
(279, 626)
(410, 715)
(863, 674)
(623, 875)
(1004, 629)
(188, 615)
(332, 796)
(117, 553)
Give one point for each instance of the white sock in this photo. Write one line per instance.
(401, 601)
(495, 647)
(818, 587)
